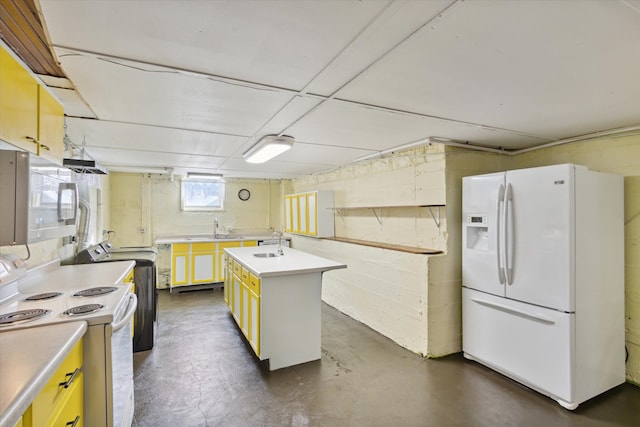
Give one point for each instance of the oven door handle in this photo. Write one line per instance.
(133, 303)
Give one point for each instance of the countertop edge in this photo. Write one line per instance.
(21, 402)
(313, 263)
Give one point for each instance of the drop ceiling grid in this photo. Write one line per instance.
(516, 76)
(105, 134)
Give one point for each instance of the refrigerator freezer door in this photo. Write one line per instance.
(529, 344)
(540, 236)
(482, 265)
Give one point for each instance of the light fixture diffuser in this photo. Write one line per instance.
(268, 147)
(203, 175)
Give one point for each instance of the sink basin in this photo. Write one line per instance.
(266, 255)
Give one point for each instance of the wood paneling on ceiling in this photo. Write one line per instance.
(22, 30)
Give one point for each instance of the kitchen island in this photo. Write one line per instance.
(276, 301)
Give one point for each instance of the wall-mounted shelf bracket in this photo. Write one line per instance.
(378, 213)
(436, 216)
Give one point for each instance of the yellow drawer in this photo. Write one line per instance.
(54, 394)
(71, 413)
(245, 275)
(180, 247)
(254, 283)
(223, 245)
(250, 243)
(203, 247)
(129, 278)
(237, 268)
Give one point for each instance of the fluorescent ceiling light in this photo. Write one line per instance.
(202, 175)
(268, 147)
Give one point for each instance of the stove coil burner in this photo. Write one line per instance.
(46, 295)
(82, 309)
(8, 319)
(92, 292)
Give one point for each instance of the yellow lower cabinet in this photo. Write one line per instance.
(244, 310)
(254, 322)
(227, 280)
(250, 308)
(220, 247)
(203, 259)
(60, 402)
(179, 264)
(19, 423)
(236, 297)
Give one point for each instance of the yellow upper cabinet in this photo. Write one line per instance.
(30, 117)
(18, 104)
(50, 126)
(310, 214)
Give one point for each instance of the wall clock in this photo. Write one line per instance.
(244, 194)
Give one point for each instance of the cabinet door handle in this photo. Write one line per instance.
(46, 147)
(32, 139)
(74, 422)
(67, 383)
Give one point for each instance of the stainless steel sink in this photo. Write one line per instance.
(266, 255)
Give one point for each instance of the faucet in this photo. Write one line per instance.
(215, 227)
(279, 234)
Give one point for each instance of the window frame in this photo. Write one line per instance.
(185, 206)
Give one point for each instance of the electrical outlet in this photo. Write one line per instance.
(141, 230)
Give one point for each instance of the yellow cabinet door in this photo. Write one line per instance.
(236, 297)
(312, 210)
(302, 213)
(202, 267)
(244, 309)
(61, 396)
(50, 126)
(179, 269)
(254, 321)
(18, 104)
(287, 214)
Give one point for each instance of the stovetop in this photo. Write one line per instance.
(109, 304)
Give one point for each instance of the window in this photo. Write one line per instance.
(202, 195)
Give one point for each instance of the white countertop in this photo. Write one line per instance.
(207, 238)
(74, 276)
(292, 262)
(28, 358)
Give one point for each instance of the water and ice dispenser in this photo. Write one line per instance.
(477, 232)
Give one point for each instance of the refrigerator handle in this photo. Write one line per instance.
(499, 242)
(508, 249)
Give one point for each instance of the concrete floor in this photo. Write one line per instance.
(202, 372)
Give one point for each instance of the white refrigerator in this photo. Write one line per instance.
(543, 278)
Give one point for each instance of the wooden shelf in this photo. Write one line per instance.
(400, 248)
(388, 207)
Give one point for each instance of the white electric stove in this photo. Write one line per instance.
(54, 294)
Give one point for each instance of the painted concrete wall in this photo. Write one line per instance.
(143, 206)
(412, 299)
(622, 156)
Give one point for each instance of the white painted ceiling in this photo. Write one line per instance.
(192, 85)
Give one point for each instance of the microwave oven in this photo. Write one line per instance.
(38, 200)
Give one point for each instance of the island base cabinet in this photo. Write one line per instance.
(290, 323)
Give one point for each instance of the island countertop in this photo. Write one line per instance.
(292, 262)
(28, 358)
